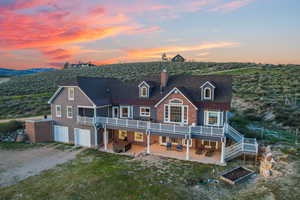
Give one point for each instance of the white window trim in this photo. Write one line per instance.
(70, 117)
(56, 113)
(168, 120)
(113, 111)
(141, 91)
(204, 93)
(143, 114)
(69, 92)
(206, 116)
(129, 111)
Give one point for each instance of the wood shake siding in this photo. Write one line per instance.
(192, 112)
(79, 100)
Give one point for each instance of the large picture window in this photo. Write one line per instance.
(176, 112)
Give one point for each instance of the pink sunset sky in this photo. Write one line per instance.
(48, 33)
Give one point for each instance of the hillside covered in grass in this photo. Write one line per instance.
(263, 92)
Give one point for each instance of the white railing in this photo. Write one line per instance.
(85, 120)
(162, 127)
(234, 134)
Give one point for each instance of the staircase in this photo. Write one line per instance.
(242, 146)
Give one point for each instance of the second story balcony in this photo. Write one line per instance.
(175, 129)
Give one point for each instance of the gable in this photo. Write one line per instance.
(61, 97)
(179, 95)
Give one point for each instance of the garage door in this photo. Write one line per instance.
(61, 134)
(82, 137)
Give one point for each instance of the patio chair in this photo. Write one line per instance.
(200, 150)
(169, 146)
(179, 147)
(210, 152)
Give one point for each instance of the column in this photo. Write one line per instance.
(187, 156)
(148, 142)
(223, 151)
(105, 139)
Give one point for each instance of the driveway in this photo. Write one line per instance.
(18, 165)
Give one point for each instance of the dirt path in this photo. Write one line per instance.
(18, 165)
(24, 118)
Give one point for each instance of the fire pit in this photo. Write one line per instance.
(236, 175)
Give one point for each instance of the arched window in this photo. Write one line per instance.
(144, 92)
(207, 93)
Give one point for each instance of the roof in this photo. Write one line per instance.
(109, 91)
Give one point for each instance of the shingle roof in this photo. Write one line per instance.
(105, 91)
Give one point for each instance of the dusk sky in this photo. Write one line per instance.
(47, 33)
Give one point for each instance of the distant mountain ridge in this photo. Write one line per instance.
(12, 72)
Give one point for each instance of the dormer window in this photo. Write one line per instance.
(207, 93)
(144, 90)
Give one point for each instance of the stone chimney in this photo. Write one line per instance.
(163, 79)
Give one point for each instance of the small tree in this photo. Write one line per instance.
(66, 65)
(164, 57)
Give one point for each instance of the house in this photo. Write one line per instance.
(180, 116)
(178, 58)
(79, 65)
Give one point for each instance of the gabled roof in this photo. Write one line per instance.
(110, 91)
(208, 82)
(144, 82)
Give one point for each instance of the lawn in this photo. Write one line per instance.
(98, 175)
(17, 145)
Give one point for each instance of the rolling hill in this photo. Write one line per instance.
(262, 92)
(11, 72)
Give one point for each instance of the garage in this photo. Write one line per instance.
(82, 137)
(61, 134)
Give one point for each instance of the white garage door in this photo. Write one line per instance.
(82, 137)
(61, 134)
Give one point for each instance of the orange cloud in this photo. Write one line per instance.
(155, 52)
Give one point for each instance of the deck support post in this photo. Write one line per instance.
(148, 142)
(223, 150)
(105, 139)
(187, 156)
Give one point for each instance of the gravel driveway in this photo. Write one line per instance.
(18, 165)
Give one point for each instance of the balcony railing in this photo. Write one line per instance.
(85, 120)
(162, 127)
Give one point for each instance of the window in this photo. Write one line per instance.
(176, 112)
(115, 112)
(144, 111)
(163, 141)
(58, 110)
(144, 92)
(213, 118)
(69, 112)
(125, 111)
(209, 143)
(122, 134)
(71, 94)
(207, 93)
(139, 137)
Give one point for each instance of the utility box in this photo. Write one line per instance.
(39, 130)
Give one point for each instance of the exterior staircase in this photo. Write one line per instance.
(242, 145)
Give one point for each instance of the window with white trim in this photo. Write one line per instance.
(139, 137)
(69, 112)
(125, 112)
(58, 110)
(207, 93)
(144, 92)
(176, 112)
(115, 112)
(71, 94)
(212, 118)
(145, 111)
(164, 139)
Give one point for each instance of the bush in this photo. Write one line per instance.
(10, 126)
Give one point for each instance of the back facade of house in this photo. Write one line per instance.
(180, 116)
